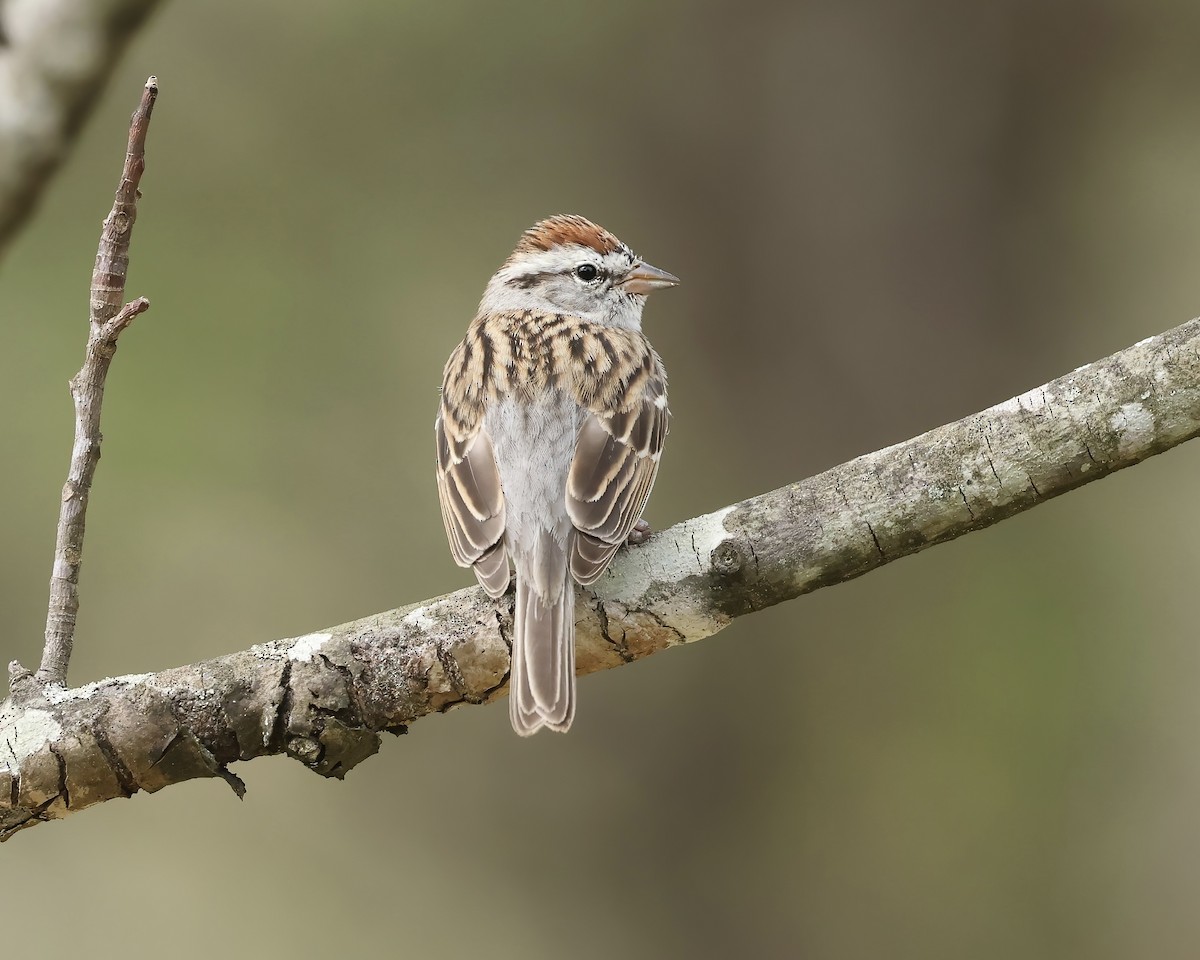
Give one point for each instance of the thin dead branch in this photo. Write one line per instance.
(108, 319)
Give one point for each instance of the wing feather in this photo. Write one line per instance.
(472, 502)
(612, 473)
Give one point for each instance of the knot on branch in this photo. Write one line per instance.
(23, 687)
(324, 729)
(336, 750)
(119, 223)
(730, 557)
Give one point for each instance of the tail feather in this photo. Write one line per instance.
(542, 684)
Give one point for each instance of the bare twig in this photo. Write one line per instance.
(108, 319)
(325, 697)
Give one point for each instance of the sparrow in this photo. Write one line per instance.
(549, 433)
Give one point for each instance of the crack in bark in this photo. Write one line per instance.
(62, 777)
(279, 724)
(125, 779)
(167, 749)
(458, 682)
(875, 540)
(680, 637)
(962, 493)
(621, 647)
(494, 688)
(837, 486)
(501, 629)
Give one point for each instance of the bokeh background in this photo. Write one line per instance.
(887, 215)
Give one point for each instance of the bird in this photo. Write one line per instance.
(549, 431)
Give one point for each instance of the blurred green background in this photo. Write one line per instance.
(887, 215)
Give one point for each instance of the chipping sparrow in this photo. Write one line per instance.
(552, 421)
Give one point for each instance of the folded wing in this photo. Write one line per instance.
(612, 472)
(473, 505)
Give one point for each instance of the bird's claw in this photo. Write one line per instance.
(640, 533)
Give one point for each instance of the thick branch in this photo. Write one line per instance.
(324, 698)
(54, 58)
(108, 319)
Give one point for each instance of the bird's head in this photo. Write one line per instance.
(567, 264)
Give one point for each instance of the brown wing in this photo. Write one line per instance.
(473, 505)
(616, 460)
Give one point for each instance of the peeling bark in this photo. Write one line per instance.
(326, 697)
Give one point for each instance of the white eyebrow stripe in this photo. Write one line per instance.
(563, 259)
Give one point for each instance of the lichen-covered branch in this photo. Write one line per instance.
(108, 318)
(55, 56)
(325, 698)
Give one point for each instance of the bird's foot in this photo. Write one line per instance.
(640, 533)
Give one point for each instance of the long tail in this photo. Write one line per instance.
(542, 684)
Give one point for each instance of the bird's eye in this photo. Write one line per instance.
(587, 272)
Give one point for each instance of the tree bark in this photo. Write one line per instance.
(324, 698)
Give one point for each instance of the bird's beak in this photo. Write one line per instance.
(643, 278)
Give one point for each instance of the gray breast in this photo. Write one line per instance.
(534, 442)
